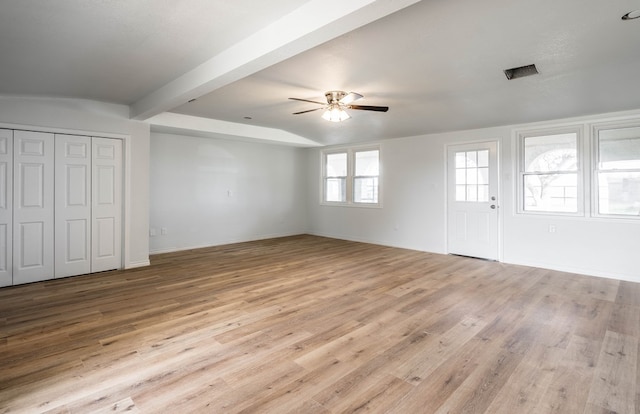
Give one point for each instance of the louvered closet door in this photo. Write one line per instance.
(73, 205)
(33, 171)
(107, 204)
(6, 216)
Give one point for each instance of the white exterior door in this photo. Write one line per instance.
(73, 205)
(6, 207)
(33, 206)
(107, 204)
(472, 205)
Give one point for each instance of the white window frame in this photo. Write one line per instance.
(351, 162)
(595, 170)
(521, 135)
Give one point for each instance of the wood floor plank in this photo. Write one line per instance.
(308, 324)
(569, 388)
(614, 385)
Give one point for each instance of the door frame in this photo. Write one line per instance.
(499, 221)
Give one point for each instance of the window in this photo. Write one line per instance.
(365, 180)
(617, 172)
(351, 177)
(550, 172)
(472, 176)
(336, 178)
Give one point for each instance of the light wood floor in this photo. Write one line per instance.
(313, 325)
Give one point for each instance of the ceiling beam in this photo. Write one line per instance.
(314, 23)
(169, 122)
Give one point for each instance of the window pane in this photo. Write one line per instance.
(461, 192)
(551, 153)
(483, 176)
(365, 190)
(472, 176)
(619, 193)
(619, 148)
(551, 192)
(483, 158)
(367, 163)
(472, 157)
(335, 190)
(461, 159)
(461, 176)
(337, 165)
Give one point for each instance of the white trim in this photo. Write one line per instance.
(577, 270)
(581, 149)
(126, 204)
(135, 265)
(594, 129)
(224, 243)
(65, 131)
(499, 194)
(350, 151)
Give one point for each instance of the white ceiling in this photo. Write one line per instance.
(437, 63)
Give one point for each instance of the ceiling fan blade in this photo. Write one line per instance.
(370, 108)
(350, 97)
(306, 100)
(308, 110)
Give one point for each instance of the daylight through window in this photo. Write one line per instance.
(550, 173)
(618, 171)
(351, 176)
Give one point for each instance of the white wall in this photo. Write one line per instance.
(89, 117)
(207, 191)
(413, 214)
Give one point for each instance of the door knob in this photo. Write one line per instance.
(493, 206)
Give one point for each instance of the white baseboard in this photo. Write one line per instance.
(221, 243)
(133, 265)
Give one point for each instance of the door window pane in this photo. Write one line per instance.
(483, 158)
(472, 157)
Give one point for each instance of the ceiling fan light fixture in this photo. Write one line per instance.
(335, 113)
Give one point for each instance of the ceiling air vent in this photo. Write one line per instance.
(521, 72)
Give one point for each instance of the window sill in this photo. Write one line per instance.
(360, 205)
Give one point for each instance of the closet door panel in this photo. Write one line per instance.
(73, 205)
(106, 243)
(6, 207)
(33, 224)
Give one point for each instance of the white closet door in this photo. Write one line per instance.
(107, 204)
(73, 205)
(33, 206)
(6, 216)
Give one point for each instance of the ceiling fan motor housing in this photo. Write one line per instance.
(334, 96)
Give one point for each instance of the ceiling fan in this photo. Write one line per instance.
(337, 102)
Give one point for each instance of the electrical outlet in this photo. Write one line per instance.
(552, 228)
(152, 232)
(163, 231)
